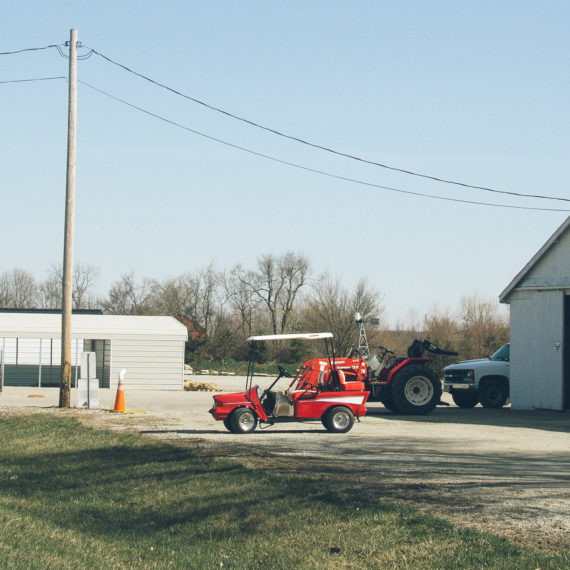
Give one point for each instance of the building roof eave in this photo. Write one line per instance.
(504, 297)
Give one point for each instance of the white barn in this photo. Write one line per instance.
(539, 299)
(151, 349)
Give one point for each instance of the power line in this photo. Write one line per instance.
(79, 45)
(28, 49)
(34, 79)
(322, 147)
(313, 170)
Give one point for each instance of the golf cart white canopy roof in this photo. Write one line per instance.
(303, 336)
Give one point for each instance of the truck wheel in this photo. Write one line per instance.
(243, 420)
(415, 390)
(338, 419)
(465, 398)
(493, 394)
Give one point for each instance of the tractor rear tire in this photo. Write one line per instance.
(493, 394)
(338, 420)
(243, 420)
(388, 402)
(415, 390)
(465, 398)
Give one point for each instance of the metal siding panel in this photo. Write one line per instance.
(154, 364)
(536, 367)
(555, 265)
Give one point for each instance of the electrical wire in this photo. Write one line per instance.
(322, 147)
(34, 79)
(308, 169)
(28, 49)
(80, 57)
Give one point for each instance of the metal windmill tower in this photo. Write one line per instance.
(363, 349)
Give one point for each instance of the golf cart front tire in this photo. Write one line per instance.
(338, 420)
(228, 423)
(243, 420)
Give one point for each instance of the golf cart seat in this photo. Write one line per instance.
(283, 406)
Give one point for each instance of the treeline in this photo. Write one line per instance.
(279, 294)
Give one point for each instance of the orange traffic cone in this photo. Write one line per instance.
(120, 398)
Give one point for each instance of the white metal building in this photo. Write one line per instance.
(151, 349)
(539, 298)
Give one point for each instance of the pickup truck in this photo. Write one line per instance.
(485, 380)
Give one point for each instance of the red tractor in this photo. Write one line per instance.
(320, 390)
(404, 384)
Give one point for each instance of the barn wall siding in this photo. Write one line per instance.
(151, 348)
(552, 268)
(150, 364)
(537, 323)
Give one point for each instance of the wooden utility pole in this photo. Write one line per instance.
(66, 308)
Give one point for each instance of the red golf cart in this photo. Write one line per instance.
(319, 391)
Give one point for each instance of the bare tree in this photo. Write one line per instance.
(127, 297)
(332, 308)
(18, 290)
(84, 280)
(484, 328)
(194, 297)
(241, 298)
(441, 329)
(209, 279)
(179, 296)
(276, 283)
(5, 290)
(49, 290)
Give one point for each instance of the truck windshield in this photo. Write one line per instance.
(503, 354)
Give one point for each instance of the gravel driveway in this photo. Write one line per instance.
(502, 471)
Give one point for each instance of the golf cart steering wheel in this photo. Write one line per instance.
(283, 372)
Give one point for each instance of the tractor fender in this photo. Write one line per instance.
(422, 361)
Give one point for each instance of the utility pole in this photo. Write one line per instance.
(66, 308)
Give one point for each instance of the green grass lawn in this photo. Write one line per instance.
(74, 497)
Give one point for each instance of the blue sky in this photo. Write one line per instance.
(477, 92)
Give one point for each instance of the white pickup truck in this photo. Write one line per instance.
(485, 380)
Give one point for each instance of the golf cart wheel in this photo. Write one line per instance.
(415, 390)
(228, 423)
(338, 420)
(243, 420)
(493, 394)
(465, 398)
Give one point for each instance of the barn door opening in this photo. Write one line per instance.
(567, 352)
